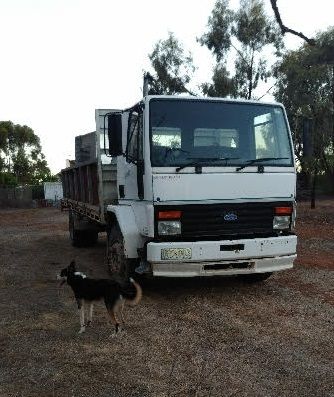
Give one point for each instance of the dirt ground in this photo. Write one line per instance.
(194, 337)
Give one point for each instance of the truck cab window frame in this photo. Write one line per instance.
(226, 133)
(134, 148)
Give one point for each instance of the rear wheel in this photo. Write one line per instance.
(76, 236)
(119, 266)
(80, 238)
(90, 237)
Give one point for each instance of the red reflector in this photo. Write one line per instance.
(169, 214)
(283, 210)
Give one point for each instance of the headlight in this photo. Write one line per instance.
(169, 228)
(281, 222)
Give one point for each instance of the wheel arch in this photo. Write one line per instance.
(124, 218)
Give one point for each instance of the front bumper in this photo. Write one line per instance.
(213, 258)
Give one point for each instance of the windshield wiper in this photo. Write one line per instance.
(260, 160)
(200, 160)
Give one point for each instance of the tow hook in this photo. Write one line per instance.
(144, 267)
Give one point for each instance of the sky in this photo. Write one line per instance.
(62, 59)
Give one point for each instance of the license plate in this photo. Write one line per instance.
(175, 253)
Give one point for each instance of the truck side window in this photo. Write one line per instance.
(134, 150)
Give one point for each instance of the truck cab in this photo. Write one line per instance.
(203, 187)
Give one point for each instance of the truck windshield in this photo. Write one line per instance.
(217, 133)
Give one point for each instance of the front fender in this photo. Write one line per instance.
(127, 223)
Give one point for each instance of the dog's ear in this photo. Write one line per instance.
(72, 265)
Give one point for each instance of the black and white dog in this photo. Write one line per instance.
(87, 290)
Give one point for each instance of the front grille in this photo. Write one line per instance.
(235, 221)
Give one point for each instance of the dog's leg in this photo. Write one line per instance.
(90, 314)
(114, 321)
(81, 307)
(121, 309)
(118, 311)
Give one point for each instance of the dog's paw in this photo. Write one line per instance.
(82, 330)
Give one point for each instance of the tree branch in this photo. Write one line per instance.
(284, 28)
(152, 79)
(268, 90)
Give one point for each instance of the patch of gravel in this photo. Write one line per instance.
(193, 337)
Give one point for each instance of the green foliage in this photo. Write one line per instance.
(7, 179)
(222, 84)
(21, 157)
(220, 24)
(173, 69)
(242, 35)
(305, 85)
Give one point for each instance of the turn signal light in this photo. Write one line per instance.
(283, 210)
(169, 214)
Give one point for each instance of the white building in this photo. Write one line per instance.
(53, 191)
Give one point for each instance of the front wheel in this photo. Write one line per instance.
(119, 266)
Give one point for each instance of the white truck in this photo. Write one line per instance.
(186, 187)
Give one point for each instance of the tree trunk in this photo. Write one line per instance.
(250, 76)
(314, 183)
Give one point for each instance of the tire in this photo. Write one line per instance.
(80, 238)
(90, 237)
(76, 236)
(119, 266)
(255, 277)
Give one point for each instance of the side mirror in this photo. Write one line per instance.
(115, 134)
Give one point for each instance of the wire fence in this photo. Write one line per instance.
(28, 196)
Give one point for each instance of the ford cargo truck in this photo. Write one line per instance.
(186, 187)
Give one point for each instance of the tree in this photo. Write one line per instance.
(21, 157)
(172, 68)
(305, 85)
(243, 36)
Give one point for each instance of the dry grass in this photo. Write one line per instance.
(213, 337)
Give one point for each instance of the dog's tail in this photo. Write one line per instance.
(139, 293)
